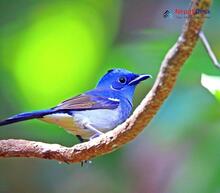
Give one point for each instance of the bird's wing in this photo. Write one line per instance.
(87, 102)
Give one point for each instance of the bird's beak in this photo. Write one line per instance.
(139, 78)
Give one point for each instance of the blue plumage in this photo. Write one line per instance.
(94, 112)
(25, 116)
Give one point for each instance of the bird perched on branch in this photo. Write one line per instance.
(96, 111)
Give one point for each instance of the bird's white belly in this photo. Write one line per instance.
(102, 120)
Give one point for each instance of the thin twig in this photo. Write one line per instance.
(127, 131)
(209, 49)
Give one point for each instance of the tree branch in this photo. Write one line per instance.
(209, 49)
(124, 133)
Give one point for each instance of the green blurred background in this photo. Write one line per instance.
(52, 50)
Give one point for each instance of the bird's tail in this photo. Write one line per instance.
(25, 116)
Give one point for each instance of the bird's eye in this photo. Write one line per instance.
(122, 79)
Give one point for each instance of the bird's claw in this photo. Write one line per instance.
(86, 162)
(94, 136)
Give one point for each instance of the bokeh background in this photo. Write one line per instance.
(52, 50)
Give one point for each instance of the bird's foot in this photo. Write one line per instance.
(94, 136)
(85, 162)
(93, 129)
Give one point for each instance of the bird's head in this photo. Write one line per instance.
(121, 80)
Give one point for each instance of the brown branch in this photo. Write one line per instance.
(141, 117)
(209, 49)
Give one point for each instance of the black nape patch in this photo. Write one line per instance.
(110, 70)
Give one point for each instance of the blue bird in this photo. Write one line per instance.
(96, 111)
